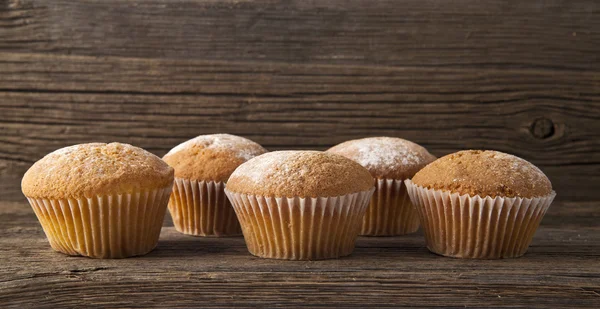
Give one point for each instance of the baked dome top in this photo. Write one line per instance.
(484, 173)
(300, 174)
(211, 157)
(385, 157)
(88, 170)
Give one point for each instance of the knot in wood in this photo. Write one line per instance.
(542, 128)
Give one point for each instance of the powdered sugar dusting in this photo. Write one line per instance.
(83, 169)
(242, 147)
(270, 165)
(65, 151)
(84, 151)
(385, 152)
(300, 173)
(517, 165)
(96, 160)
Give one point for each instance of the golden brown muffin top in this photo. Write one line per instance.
(211, 157)
(300, 174)
(484, 173)
(385, 157)
(89, 170)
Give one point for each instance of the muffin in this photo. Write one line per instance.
(300, 205)
(202, 165)
(100, 200)
(480, 204)
(390, 161)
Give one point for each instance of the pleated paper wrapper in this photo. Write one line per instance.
(200, 208)
(110, 226)
(300, 228)
(390, 211)
(477, 227)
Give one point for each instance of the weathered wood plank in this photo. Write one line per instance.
(560, 270)
(464, 33)
(48, 102)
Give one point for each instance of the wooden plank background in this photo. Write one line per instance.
(517, 76)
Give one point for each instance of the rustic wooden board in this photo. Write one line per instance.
(561, 269)
(463, 33)
(50, 101)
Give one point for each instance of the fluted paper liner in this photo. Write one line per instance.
(200, 208)
(390, 211)
(466, 226)
(300, 228)
(110, 226)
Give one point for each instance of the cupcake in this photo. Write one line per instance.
(100, 200)
(390, 161)
(202, 165)
(300, 205)
(480, 204)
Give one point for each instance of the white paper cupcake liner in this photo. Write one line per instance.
(477, 227)
(300, 228)
(390, 211)
(111, 226)
(200, 208)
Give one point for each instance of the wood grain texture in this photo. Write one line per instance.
(49, 101)
(463, 33)
(507, 75)
(559, 270)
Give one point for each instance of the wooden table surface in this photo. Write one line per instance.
(561, 269)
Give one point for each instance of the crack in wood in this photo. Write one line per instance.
(87, 270)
